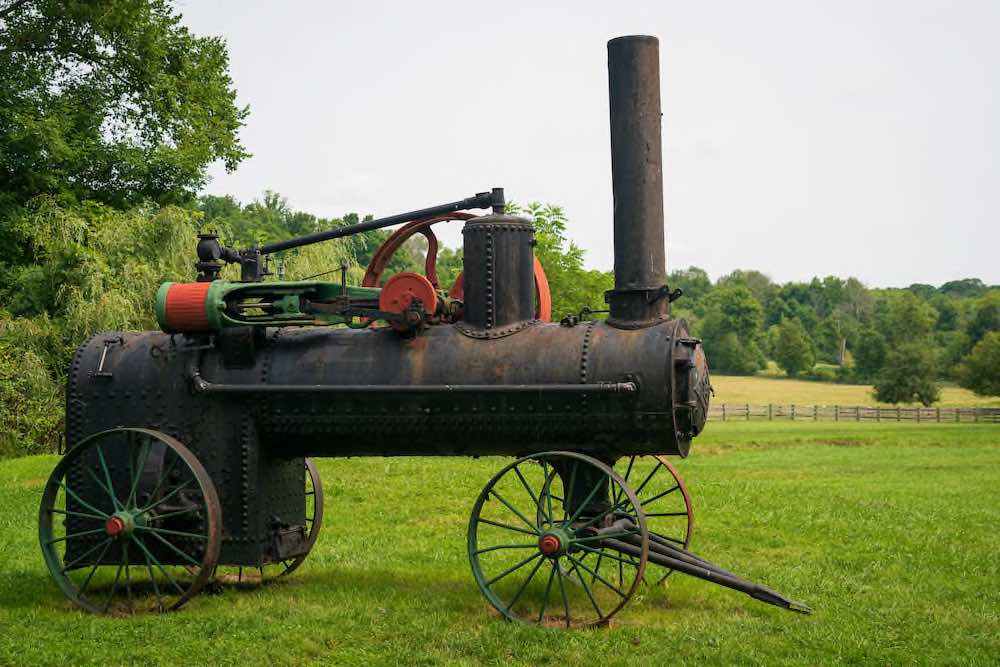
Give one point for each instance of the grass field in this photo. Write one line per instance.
(736, 389)
(890, 532)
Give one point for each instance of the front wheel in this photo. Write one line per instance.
(533, 542)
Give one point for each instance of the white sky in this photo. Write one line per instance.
(800, 138)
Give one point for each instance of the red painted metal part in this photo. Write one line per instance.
(185, 307)
(114, 526)
(401, 289)
(549, 544)
(373, 276)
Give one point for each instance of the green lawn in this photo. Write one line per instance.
(890, 532)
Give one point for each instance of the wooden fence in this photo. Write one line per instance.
(850, 413)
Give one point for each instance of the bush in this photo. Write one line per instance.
(908, 376)
(980, 369)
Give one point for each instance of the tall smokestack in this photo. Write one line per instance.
(639, 298)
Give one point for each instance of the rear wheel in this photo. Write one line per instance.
(130, 522)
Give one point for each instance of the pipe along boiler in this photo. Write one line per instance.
(189, 450)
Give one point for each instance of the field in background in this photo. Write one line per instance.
(735, 389)
(887, 530)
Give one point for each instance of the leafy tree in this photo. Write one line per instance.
(110, 101)
(968, 287)
(869, 353)
(980, 370)
(986, 317)
(758, 283)
(573, 287)
(792, 348)
(908, 376)
(731, 330)
(693, 281)
(902, 317)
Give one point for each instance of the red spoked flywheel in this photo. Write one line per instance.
(373, 275)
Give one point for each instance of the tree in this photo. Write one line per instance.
(903, 317)
(980, 369)
(908, 376)
(732, 329)
(693, 281)
(869, 353)
(792, 348)
(110, 101)
(986, 317)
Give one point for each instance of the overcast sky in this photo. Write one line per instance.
(799, 138)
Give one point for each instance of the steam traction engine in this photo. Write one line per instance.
(188, 448)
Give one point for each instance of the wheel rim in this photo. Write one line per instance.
(665, 501)
(541, 570)
(143, 536)
(262, 574)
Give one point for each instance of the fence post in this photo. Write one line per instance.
(857, 413)
(793, 412)
(878, 413)
(939, 415)
(723, 412)
(975, 415)
(770, 412)
(918, 413)
(897, 413)
(748, 412)
(836, 413)
(815, 416)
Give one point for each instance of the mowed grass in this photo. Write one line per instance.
(764, 390)
(890, 532)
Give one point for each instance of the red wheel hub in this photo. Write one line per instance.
(114, 526)
(549, 545)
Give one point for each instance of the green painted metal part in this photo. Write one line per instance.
(284, 299)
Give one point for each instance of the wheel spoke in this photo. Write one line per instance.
(150, 556)
(69, 566)
(604, 536)
(598, 577)
(152, 578)
(548, 489)
(186, 510)
(178, 533)
(586, 588)
(648, 477)
(175, 549)
(107, 476)
(81, 501)
(86, 581)
(571, 490)
(604, 553)
(70, 536)
(524, 584)
(102, 485)
(56, 510)
(531, 494)
(660, 495)
(562, 589)
(506, 546)
(508, 527)
(496, 495)
(587, 500)
(167, 497)
(137, 474)
(163, 476)
(128, 579)
(513, 568)
(667, 514)
(548, 589)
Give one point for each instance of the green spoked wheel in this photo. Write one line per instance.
(255, 575)
(665, 501)
(533, 542)
(130, 522)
